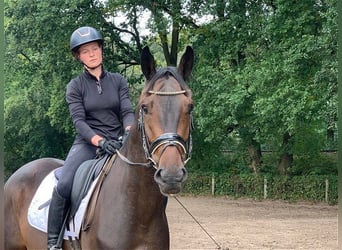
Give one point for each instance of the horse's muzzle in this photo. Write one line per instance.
(170, 180)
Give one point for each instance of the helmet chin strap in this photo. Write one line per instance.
(91, 68)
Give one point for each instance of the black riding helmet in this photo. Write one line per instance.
(82, 36)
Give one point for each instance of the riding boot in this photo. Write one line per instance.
(57, 213)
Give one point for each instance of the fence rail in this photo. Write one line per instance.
(309, 188)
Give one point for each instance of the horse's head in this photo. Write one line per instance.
(165, 119)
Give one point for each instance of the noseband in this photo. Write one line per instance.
(164, 140)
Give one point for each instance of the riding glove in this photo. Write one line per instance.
(109, 146)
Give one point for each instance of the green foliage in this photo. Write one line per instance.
(28, 134)
(257, 76)
(311, 188)
(38, 67)
(263, 70)
(297, 188)
(318, 164)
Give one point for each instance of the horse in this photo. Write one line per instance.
(130, 208)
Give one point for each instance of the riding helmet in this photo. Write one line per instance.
(84, 35)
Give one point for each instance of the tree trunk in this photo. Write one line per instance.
(174, 44)
(286, 157)
(285, 162)
(330, 138)
(254, 151)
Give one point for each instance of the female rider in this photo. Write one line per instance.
(100, 110)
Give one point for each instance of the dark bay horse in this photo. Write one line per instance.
(130, 210)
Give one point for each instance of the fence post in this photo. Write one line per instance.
(213, 184)
(265, 188)
(326, 189)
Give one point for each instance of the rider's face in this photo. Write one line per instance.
(90, 54)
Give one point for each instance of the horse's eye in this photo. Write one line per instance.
(144, 108)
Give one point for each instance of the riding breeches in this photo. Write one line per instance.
(77, 154)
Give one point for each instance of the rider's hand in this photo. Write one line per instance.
(109, 146)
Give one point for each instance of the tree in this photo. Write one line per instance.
(270, 55)
(38, 67)
(166, 21)
(230, 37)
(265, 74)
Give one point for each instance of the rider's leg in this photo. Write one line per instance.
(60, 201)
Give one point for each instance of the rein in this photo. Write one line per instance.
(125, 159)
(199, 224)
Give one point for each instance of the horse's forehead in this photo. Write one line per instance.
(168, 83)
(166, 87)
(169, 75)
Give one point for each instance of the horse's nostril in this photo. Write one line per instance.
(158, 173)
(166, 175)
(185, 174)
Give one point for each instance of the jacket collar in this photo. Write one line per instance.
(89, 75)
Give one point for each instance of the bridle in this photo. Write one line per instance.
(164, 140)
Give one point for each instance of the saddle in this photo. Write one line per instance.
(83, 179)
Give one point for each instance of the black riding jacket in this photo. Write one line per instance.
(99, 107)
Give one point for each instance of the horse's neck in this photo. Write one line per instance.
(137, 179)
(132, 190)
(130, 202)
(133, 149)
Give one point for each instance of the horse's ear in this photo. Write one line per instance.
(148, 66)
(186, 63)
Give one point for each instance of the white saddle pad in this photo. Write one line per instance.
(37, 217)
